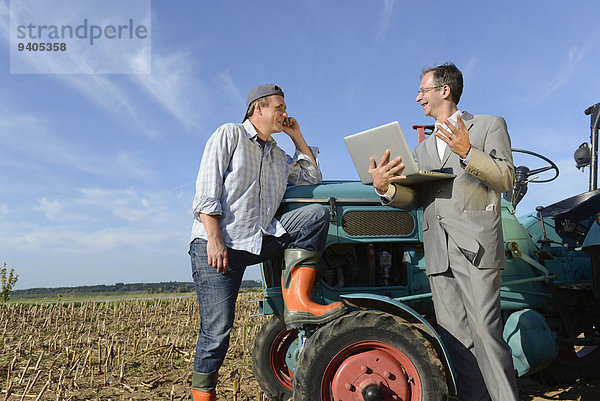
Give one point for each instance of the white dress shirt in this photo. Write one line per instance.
(441, 148)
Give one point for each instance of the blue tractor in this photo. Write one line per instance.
(387, 347)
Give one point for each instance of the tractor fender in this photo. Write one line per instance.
(405, 312)
(592, 238)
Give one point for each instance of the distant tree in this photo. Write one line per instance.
(7, 282)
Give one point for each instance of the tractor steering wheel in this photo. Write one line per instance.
(551, 166)
(522, 174)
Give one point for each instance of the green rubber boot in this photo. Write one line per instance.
(203, 386)
(297, 281)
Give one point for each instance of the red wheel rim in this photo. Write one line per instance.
(277, 354)
(368, 363)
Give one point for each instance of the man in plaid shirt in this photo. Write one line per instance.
(242, 179)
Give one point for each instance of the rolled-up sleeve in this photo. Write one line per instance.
(213, 166)
(302, 169)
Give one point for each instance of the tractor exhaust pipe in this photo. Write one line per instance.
(594, 112)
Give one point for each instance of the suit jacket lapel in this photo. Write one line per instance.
(447, 154)
(432, 149)
(467, 119)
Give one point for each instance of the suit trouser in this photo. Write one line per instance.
(467, 309)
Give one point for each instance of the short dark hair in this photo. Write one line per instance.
(447, 74)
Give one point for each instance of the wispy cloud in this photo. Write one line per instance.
(4, 209)
(114, 207)
(60, 211)
(117, 215)
(225, 82)
(30, 142)
(98, 235)
(468, 69)
(114, 98)
(4, 20)
(571, 61)
(385, 21)
(54, 255)
(127, 205)
(135, 165)
(26, 136)
(174, 84)
(51, 209)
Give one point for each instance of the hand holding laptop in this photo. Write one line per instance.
(387, 172)
(387, 140)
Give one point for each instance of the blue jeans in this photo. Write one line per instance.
(217, 293)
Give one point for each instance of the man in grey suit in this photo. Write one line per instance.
(462, 231)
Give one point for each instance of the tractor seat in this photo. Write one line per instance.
(577, 207)
(573, 216)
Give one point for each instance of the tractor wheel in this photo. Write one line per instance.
(574, 363)
(273, 358)
(370, 356)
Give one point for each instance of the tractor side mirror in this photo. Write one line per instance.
(582, 156)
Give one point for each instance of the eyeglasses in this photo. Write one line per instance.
(423, 91)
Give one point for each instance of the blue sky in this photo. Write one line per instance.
(98, 171)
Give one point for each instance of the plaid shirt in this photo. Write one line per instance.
(244, 184)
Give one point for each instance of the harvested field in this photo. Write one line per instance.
(142, 350)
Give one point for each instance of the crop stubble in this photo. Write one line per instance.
(139, 350)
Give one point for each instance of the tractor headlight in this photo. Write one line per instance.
(598, 218)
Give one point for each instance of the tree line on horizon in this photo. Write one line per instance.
(170, 286)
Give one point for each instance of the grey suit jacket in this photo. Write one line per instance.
(466, 208)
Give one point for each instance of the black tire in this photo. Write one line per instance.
(355, 352)
(268, 359)
(578, 362)
(572, 364)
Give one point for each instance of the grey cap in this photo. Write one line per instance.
(261, 91)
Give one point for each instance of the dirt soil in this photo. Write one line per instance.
(143, 350)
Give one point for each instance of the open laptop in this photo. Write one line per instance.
(374, 142)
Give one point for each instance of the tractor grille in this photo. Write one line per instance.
(382, 222)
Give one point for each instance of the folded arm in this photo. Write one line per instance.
(304, 168)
